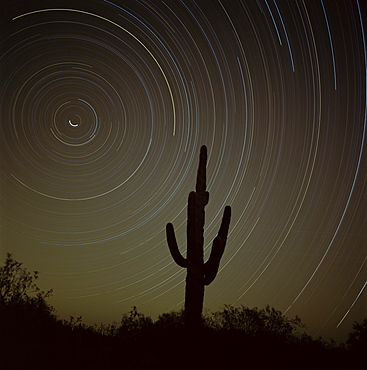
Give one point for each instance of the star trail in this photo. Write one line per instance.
(103, 108)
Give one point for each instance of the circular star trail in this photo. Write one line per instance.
(103, 108)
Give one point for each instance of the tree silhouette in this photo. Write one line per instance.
(17, 285)
(357, 338)
(199, 273)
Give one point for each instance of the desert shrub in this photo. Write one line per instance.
(173, 320)
(254, 321)
(133, 325)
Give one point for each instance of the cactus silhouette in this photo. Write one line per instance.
(199, 273)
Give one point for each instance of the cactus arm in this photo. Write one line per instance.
(212, 264)
(173, 247)
(223, 230)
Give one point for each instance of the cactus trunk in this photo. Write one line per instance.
(199, 273)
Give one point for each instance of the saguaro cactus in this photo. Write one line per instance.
(199, 273)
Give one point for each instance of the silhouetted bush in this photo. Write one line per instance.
(134, 322)
(357, 341)
(357, 338)
(255, 322)
(174, 320)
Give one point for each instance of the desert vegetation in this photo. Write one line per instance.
(32, 336)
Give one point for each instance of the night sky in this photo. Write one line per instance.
(104, 107)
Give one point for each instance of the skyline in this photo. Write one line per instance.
(104, 108)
